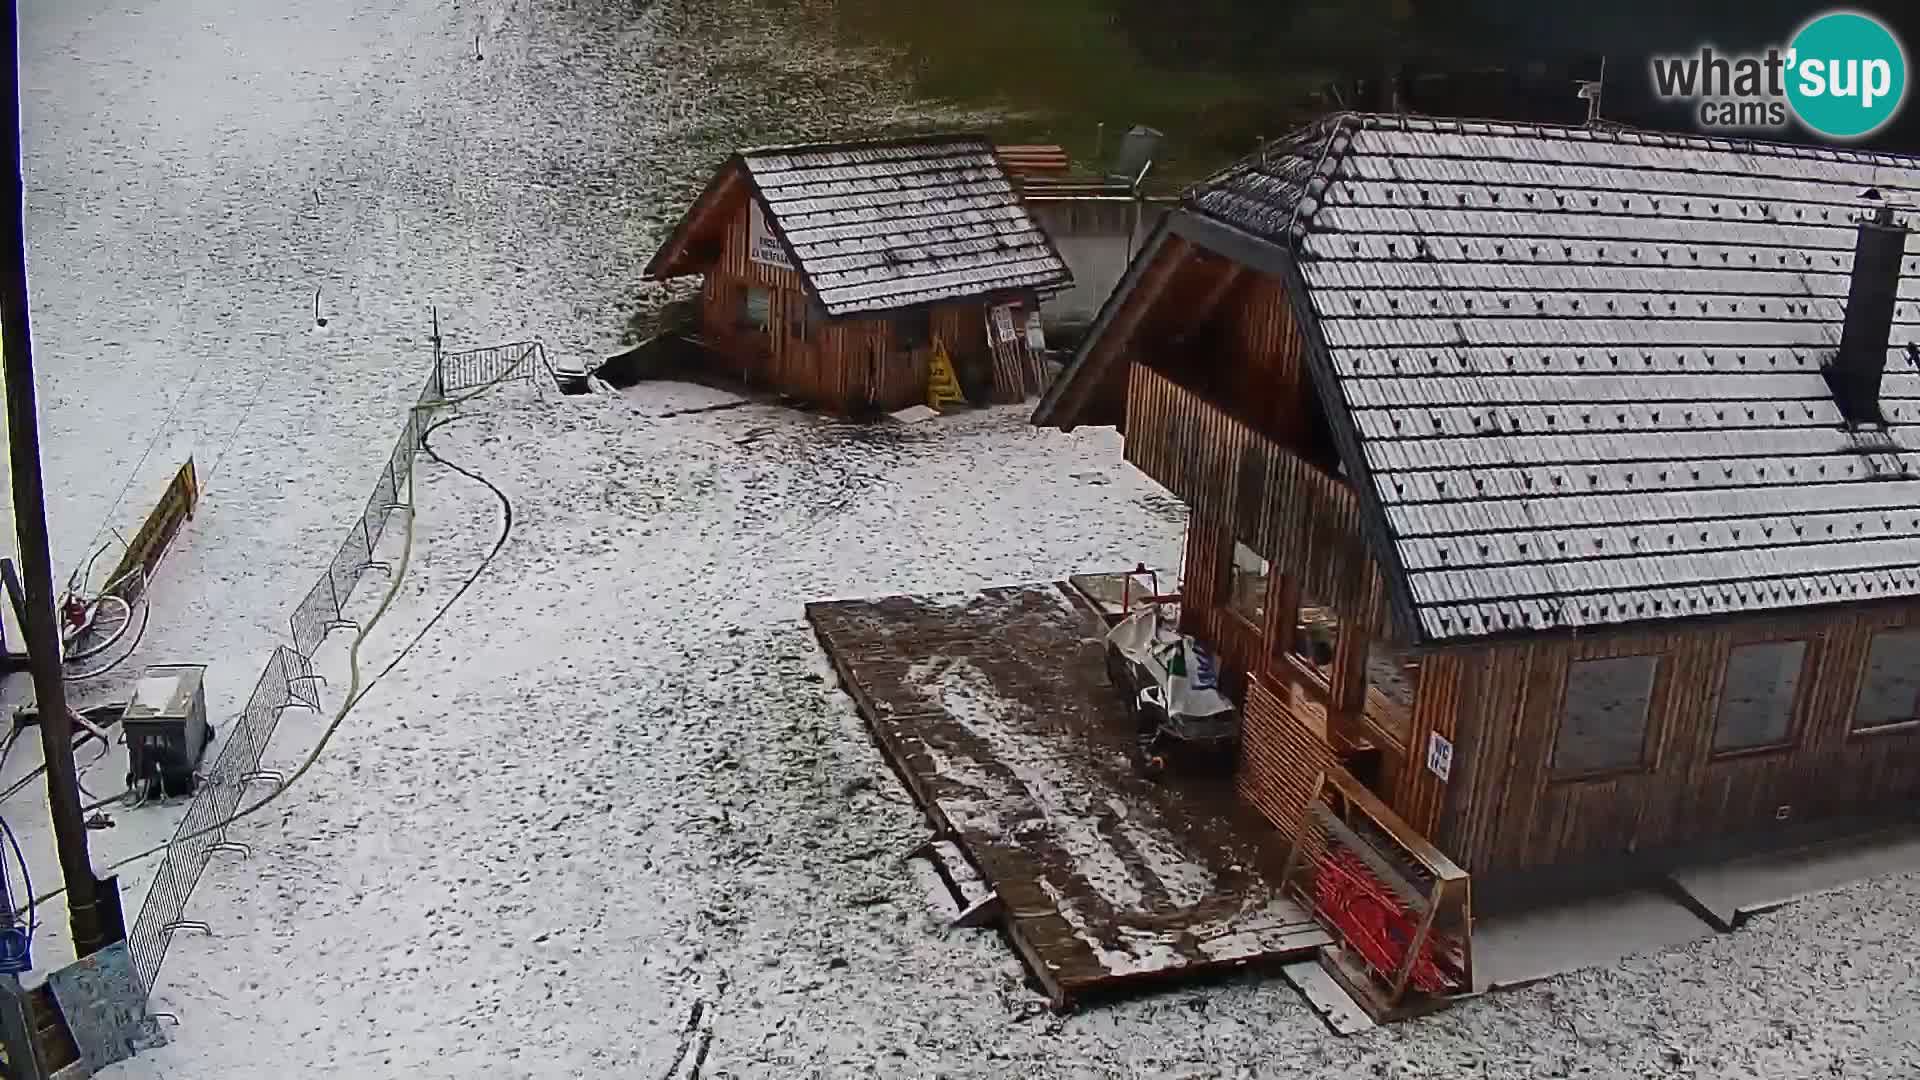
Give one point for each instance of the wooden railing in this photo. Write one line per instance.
(1306, 521)
(1400, 910)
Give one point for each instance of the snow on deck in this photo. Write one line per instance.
(995, 706)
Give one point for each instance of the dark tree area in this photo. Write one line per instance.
(1510, 59)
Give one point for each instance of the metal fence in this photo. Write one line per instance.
(288, 681)
(496, 363)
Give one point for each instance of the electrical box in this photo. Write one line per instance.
(166, 726)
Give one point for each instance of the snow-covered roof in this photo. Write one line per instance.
(1579, 372)
(879, 226)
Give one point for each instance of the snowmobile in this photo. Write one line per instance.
(1171, 683)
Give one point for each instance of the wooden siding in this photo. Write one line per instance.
(1305, 522)
(1267, 376)
(1419, 795)
(1509, 813)
(847, 365)
(1284, 752)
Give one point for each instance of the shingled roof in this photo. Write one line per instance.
(885, 225)
(1577, 373)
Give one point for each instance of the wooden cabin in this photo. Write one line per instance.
(834, 274)
(1552, 488)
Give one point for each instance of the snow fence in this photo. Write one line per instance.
(287, 681)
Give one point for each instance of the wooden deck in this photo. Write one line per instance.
(995, 709)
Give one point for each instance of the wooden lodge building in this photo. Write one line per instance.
(834, 273)
(1596, 450)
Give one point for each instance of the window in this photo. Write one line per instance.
(1394, 673)
(1247, 585)
(1316, 629)
(1603, 719)
(756, 307)
(1756, 702)
(1890, 691)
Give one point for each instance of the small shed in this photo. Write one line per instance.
(1595, 453)
(839, 274)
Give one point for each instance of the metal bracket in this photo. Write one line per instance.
(245, 851)
(271, 776)
(339, 624)
(385, 568)
(186, 924)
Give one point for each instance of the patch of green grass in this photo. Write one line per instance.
(1057, 69)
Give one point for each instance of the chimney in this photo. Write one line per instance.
(1854, 375)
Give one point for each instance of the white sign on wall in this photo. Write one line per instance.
(762, 246)
(1439, 756)
(1003, 323)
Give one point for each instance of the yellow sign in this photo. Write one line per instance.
(943, 387)
(156, 534)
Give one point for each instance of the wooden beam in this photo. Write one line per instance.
(719, 191)
(1114, 339)
(1441, 867)
(1204, 310)
(1347, 682)
(1414, 948)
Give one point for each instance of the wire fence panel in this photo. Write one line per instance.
(312, 616)
(302, 687)
(288, 678)
(344, 571)
(147, 941)
(475, 368)
(373, 520)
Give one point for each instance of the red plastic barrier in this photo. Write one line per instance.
(1374, 923)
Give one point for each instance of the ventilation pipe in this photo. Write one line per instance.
(1855, 373)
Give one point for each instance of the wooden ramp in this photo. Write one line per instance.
(995, 709)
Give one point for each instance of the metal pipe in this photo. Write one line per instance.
(30, 523)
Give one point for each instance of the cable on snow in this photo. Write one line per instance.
(355, 691)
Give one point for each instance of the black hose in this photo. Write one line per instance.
(499, 542)
(506, 529)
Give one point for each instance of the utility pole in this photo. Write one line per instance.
(30, 522)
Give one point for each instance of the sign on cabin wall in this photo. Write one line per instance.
(1036, 337)
(762, 246)
(1003, 323)
(1439, 756)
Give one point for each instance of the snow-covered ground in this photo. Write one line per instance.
(615, 781)
(197, 169)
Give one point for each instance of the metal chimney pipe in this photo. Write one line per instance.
(1855, 373)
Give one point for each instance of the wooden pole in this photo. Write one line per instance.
(30, 523)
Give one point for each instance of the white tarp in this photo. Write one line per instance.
(1184, 670)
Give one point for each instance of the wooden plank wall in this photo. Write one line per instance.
(1306, 523)
(844, 365)
(1268, 378)
(1508, 813)
(1284, 751)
